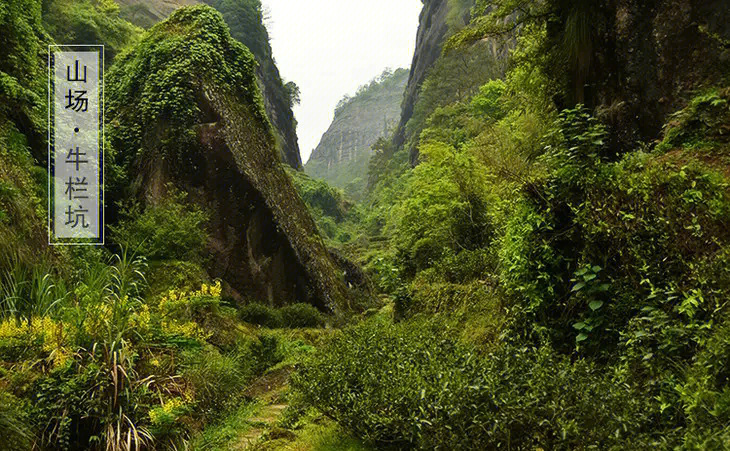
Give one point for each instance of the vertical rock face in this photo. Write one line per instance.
(184, 110)
(647, 58)
(245, 19)
(435, 23)
(265, 242)
(148, 13)
(342, 156)
(657, 53)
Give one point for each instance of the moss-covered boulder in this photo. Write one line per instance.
(184, 110)
(246, 21)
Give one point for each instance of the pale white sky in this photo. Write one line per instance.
(331, 47)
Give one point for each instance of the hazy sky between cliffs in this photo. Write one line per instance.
(331, 47)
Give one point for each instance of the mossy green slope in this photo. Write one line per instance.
(245, 18)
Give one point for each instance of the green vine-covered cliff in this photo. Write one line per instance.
(246, 22)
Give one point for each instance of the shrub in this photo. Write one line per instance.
(261, 315)
(292, 316)
(433, 298)
(14, 423)
(410, 385)
(217, 379)
(265, 353)
(446, 208)
(463, 267)
(703, 123)
(301, 315)
(489, 102)
(320, 196)
(596, 242)
(94, 398)
(704, 396)
(165, 419)
(174, 274)
(169, 230)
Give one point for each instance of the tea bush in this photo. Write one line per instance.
(291, 316)
(411, 385)
(260, 314)
(266, 352)
(301, 315)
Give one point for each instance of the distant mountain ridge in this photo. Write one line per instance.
(343, 153)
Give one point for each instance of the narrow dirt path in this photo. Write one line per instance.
(268, 389)
(263, 421)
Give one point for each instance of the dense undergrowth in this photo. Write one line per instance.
(550, 290)
(132, 345)
(539, 285)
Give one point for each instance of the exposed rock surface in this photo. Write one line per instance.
(220, 150)
(246, 24)
(342, 156)
(265, 242)
(147, 13)
(647, 59)
(656, 54)
(435, 23)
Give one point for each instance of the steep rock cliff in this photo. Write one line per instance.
(184, 110)
(245, 20)
(342, 156)
(632, 62)
(438, 18)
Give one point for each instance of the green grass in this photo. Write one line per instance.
(320, 434)
(326, 437)
(223, 434)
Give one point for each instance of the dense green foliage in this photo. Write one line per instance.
(453, 78)
(434, 393)
(336, 216)
(169, 230)
(22, 63)
(550, 288)
(130, 346)
(91, 21)
(291, 316)
(539, 282)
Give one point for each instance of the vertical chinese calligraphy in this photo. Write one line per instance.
(75, 134)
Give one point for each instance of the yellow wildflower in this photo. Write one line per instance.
(215, 290)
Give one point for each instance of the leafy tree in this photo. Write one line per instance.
(294, 93)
